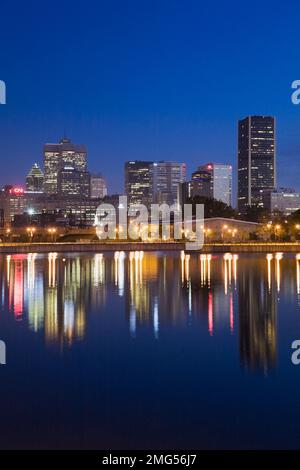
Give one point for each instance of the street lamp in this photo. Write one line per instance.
(222, 231)
(52, 231)
(30, 231)
(8, 232)
(207, 232)
(277, 230)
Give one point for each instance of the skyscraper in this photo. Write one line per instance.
(72, 182)
(166, 177)
(138, 182)
(98, 186)
(256, 160)
(57, 156)
(215, 181)
(35, 179)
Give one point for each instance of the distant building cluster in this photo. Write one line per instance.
(65, 192)
(153, 182)
(211, 180)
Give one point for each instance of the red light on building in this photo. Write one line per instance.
(17, 190)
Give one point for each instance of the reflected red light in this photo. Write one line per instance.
(231, 319)
(210, 314)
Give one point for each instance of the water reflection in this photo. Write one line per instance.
(55, 294)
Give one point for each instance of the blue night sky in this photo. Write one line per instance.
(164, 79)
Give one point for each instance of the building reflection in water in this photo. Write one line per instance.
(99, 270)
(269, 258)
(120, 271)
(16, 285)
(35, 294)
(298, 276)
(278, 258)
(258, 313)
(230, 270)
(137, 297)
(224, 294)
(205, 261)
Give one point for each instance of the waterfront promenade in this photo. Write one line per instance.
(96, 247)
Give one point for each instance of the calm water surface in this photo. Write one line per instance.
(149, 350)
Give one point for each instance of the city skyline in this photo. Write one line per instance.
(279, 176)
(66, 172)
(140, 92)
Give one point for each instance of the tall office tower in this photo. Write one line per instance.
(201, 183)
(35, 179)
(98, 186)
(138, 182)
(72, 182)
(56, 157)
(219, 177)
(256, 160)
(166, 177)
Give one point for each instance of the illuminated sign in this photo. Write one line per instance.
(17, 190)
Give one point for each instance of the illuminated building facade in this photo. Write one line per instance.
(35, 179)
(201, 183)
(284, 200)
(98, 186)
(72, 182)
(138, 182)
(220, 180)
(153, 182)
(56, 157)
(12, 202)
(213, 180)
(166, 177)
(256, 160)
(68, 210)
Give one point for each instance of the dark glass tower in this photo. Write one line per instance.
(138, 182)
(256, 160)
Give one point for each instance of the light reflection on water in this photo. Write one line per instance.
(53, 294)
(195, 344)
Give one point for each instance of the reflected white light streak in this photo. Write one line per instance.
(52, 269)
(31, 270)
(8, 260)
(98, 269)
(269, 258)
(155, 318)
(278, 258)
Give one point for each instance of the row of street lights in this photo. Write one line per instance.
(32, 230)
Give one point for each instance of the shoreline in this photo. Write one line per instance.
(81, 247)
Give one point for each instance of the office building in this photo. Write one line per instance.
(256, 160)
(138, 182)
(68, 210)
(72, 182)
(166, 177)
(98, 186)
(199, 185)
(56, 157)
(212, 180)
(35, 179)
(283, 200)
